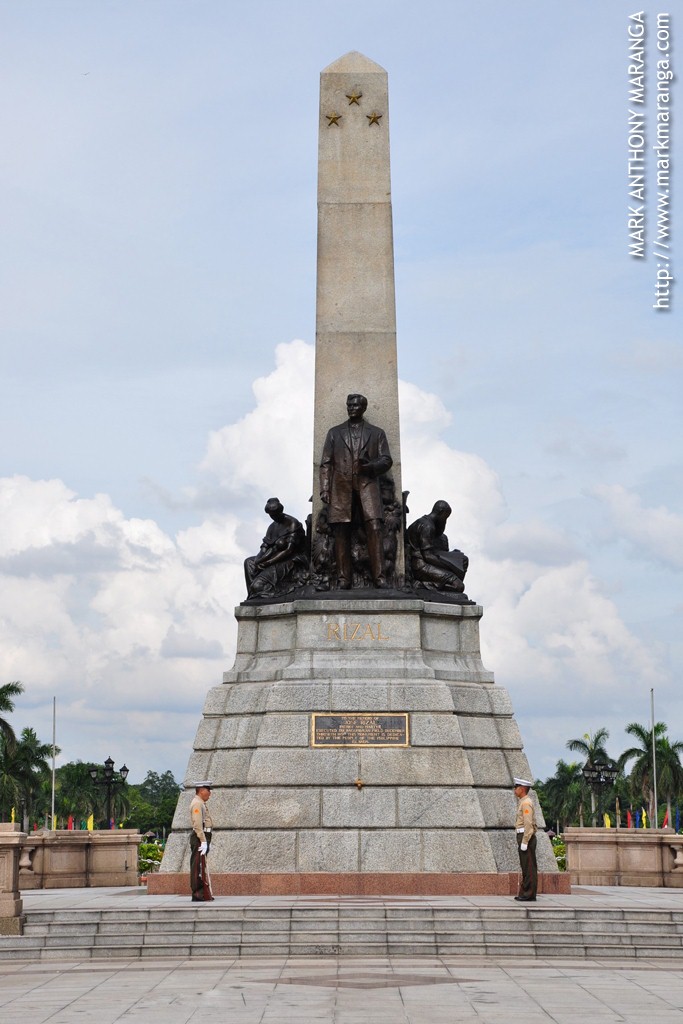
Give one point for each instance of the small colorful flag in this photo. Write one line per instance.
(644, 818)
(607, 820)
(90, 825)
(11, 817)
(629, 820)
(666, 819)
(70, 823)
(637, 819)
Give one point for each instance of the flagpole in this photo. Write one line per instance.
(654, 757)
(54, 742)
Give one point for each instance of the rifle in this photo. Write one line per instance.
(205, 877)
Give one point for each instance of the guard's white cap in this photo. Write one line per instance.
(202, 785)
(523, 782)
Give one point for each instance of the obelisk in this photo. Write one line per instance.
(355, 306)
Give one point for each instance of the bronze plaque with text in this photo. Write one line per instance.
(364, 729)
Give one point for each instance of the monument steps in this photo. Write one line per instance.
(215, 931)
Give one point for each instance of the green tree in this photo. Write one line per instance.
(75, 792)
(24, 769)
(562, 795)
(33, 772)
(7, 692)
(641, 776)
(142, 815)
(10, 793)
(156, 787)
(120, 803)
(592, 747)
(669, 770)
(153, 803)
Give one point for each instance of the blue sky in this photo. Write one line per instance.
(159, 228)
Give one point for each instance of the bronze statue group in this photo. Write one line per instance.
(354, 541)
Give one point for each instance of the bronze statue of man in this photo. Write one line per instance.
(355, 456)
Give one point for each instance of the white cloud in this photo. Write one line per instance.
(650, 355)
(433, 470)
(133, 622)
(568, 629)
(267, 453)
(653, 533)
(576, 442)
(532, 541)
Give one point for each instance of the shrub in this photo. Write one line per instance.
(149, 857)
(560, 851)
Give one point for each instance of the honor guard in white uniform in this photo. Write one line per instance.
(525, 827)
(200, 841)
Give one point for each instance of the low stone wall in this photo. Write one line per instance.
(372, 883)
(73, 859)
(11, 839)
(608, 856)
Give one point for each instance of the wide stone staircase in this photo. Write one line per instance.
(352, 929)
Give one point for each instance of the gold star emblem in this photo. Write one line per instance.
(373, 118)
(333, 119)
(353, 97)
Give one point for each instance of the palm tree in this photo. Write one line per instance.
(7, 692)
(32, 769)
(75, 792)
(641, 775)
(669, 769)
(564, 794)
(592, 747)
(24, 770)
(9, 784)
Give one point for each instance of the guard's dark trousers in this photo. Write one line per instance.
(196, 880)
(527, 860)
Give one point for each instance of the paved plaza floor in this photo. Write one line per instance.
(396, 990)
(343, 990)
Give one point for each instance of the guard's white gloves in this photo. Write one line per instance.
(523, 846)
(203, 847)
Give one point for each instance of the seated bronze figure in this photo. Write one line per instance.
(281, 564)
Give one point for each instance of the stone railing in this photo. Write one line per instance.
(609, 856)
(11, 839)
(78, 859)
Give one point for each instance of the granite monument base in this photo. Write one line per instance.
(361, 883)
(357, 746)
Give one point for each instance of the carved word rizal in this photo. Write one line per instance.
(355, 631)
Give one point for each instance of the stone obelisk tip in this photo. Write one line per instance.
(354, 63)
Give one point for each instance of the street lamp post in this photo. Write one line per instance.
(109, 778)
(599, 775)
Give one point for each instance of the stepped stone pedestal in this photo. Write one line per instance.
(431, 810)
